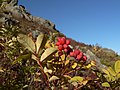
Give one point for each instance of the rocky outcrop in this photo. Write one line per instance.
(92, 56)
(11, 14)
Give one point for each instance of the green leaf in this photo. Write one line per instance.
(105, 71)
(108, 77)
(105, 84)
(117, 66)
(48, 52)
(112, 79)
(118, 76)
(111, 71)
(76, 79)
(40, 42)
(27, 42)
(53, 78)
(110, 74)
(20, 58)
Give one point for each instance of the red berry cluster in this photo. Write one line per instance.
(63, 44)
(77, 54)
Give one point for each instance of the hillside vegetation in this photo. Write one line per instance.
(107, 56)
(34, 55)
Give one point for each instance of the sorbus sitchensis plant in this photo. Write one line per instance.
(60, 65)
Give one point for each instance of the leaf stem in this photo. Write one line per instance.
(42, 71)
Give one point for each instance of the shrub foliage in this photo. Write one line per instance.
(40, 63)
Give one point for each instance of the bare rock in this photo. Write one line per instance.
(11, 11)
(92, 56)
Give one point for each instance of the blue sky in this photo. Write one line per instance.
(88, 21)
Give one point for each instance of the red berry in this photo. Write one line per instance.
(58, 38)
(81, 53)
(84, 58)
(62, 40)
(71, 54)
(65, 46)
(60, 47)
(67, 42)
(79, 57)
(65, 50)
(76, 51)
(58, 43)
(75, 55)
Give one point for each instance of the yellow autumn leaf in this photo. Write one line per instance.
(63, 57)
(66, 76)
(88, 66)
(84, 82)
(53, 78)
(105, 84)
(74, 65)
(93, 63)
(47, 45)
(66, 62)
(48, 52)
(117, 66)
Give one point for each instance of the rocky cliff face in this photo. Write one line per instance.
(13, 14)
